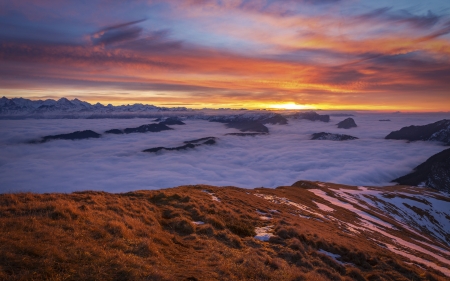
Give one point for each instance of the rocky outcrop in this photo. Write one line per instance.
(183, 147)
(263, 118)
(114, 131)
(173, 121)
(275, 119)
(332, 137)
(187, 145)
(245, 134)
(157, 127)
(442, 136)
(207, 140)
(253, 122)
(437, 131)
(148, 128)
(347, 124)
(434, 173)
(78, 135)
(312, 116)
(248, 126)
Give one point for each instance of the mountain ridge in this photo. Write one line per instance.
(26, 107)
(20, 108)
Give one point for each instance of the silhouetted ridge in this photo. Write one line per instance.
(78, 135)
(156, 149)
(276, 119)
(148, 128)
(246, 134)
(263, 118)
(188, 145)
(203, 140)
(434, 173)
(332, 137)
(245, 126)
(437, 131)
(173, 121)
(312, 116)
(114, 131)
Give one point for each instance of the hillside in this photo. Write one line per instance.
(308, 231)
(434, 173)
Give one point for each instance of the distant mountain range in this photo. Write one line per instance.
(20, 107)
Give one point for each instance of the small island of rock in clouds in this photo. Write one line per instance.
(224, 140)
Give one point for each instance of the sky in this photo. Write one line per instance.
(297, 54)
(116, 163)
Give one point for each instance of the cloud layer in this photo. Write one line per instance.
(333, 54)
(116, 163)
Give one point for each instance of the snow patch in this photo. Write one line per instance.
(335, 257)
(264, 233)
(324, 207)
(285, 201)
(214, 197)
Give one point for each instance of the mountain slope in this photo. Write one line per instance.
(437, 131)
(309, 231)
(434, 173)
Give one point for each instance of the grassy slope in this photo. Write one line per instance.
(150, 235)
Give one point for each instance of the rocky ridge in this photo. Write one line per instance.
(78, 135)
(262, 118)
(311, 116)
(332, 137)
(248, 126)
(437, 131)
(188, 145)
(87, 134)
(434, 173)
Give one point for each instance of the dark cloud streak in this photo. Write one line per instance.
(403, 16)
(117, 33)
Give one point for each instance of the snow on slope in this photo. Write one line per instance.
(408, 221)
(386, 213)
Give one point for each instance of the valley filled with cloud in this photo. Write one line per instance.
(116, 163)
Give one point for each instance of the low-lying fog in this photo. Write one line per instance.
(116, 163)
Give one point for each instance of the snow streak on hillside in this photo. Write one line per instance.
(409, 221)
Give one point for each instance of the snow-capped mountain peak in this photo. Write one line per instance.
(25, 108)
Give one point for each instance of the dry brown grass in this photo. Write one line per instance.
(151, 235)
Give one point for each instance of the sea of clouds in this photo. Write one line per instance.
(116, 163)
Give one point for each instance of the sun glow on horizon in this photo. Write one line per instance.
(291, 106)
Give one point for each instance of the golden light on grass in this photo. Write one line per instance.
(152, 235)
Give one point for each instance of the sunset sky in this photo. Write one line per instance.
(318, 54)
